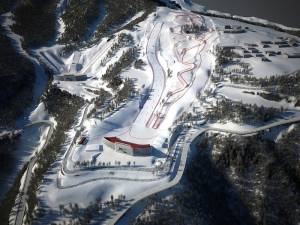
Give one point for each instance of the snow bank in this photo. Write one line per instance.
(39, 113)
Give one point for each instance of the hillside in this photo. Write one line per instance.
(155, 112)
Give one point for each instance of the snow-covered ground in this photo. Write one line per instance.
(178, 68)
(241, 95)
(189, 59)
(278, 64)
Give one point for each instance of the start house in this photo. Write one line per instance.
(127, 147)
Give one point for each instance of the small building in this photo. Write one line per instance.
(256, 51)
(292, 56)
(251, 45)
(247, 56)
(228, 47)
(94, 148)
(234, 29)
(71, 77)
(280, 43)
(284, 46)
(281, 38)
(266, 42)
(126, 147)
(271, 52)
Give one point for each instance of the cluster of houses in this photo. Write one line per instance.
(281, 43)
(254, 49)
(248, 52)
(292, 55)
(231, 29)
(265, 49)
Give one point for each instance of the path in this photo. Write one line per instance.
(96, 57)
(29, 171)
(64, 167)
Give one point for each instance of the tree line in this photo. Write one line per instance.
(63, 107)
(227, 110)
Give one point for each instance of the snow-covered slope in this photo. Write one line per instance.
(179, 66)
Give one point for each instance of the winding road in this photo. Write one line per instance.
(189, 138)
(21, 205)
(64, 167)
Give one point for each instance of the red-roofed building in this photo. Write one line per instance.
(127, 147)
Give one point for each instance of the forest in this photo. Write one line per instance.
(234, 180)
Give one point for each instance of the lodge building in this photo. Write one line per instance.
(127, 147)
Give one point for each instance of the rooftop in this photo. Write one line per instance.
(133, 145)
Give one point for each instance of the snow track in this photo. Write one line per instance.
(97, 56)
(159, 78)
